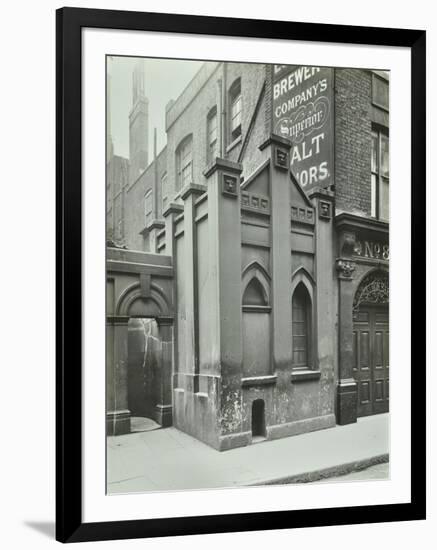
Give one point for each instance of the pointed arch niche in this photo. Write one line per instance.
(256, 321)
(303, 313)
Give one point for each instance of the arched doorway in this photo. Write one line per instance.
(139, 312)
(371, 343)
(144, 365)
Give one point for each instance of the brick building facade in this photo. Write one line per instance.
(269, 209)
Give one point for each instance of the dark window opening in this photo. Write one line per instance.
(212, 143)
(301, 327)
(380, 92)
(184, 163)
(380, 168)
(148, 206)
(236, 106)
(258, 418)
(164, 190)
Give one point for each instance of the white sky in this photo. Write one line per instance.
(164, 80)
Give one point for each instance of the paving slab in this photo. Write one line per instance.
(168, 459)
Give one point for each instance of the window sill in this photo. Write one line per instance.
(234, 143)
(201, 395)
(259, 380)
(257, 309)
(305, 375)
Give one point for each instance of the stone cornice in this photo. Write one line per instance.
(155, 224)
(224, 165)
(352, 222)
(321, 193)
(192, 189)
(173, 208)
(275, 139)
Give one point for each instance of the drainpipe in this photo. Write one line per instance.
(220, 115)
(155, 178)
(224, 106)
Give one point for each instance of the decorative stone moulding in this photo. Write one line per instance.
(373, 289)
(325, 210)
(229, 185)
(255, 202)
(282, 158)
(345, 268)
(302, 215)
(347, 244)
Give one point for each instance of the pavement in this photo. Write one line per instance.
(168, 459)
(378, 471)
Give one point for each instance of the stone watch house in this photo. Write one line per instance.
(247, 263)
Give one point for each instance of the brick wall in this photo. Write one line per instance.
(117, 179)
(268, 101)
(192, 119)
(353, 114)
(135, 214)
(353, 141)
(251, 157)
(253, 81)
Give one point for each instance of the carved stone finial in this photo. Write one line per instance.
(347, 244)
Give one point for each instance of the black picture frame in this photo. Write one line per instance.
(69, 525)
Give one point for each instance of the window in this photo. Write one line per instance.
(184, 162)
(164, 190)
(236, 104)
(301, 327)
(212, 135)
(380, 174)
(148, 206)
(380, 92)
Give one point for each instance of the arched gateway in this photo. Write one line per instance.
(139, 295)
(371, 343)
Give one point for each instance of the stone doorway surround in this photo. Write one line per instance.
(139, 284)
(352, 266)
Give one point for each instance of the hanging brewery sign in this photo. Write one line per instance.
(303, 112)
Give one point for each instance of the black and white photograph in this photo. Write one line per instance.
(217, 275)
(247, 274)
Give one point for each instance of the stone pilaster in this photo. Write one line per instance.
(189, 195)
(118, 414)
(164, 407)
(153, 228)
(279, 149)
(323, 201)
(224, 223)
(347, 386)
(170, 213)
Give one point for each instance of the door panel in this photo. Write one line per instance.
(381, 371)
(371, 359)
(363, 371)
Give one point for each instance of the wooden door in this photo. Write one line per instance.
(371, 359)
